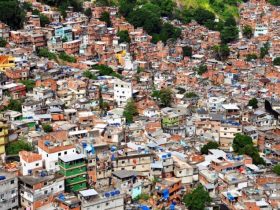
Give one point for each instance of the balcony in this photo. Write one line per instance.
(73, 172)
(71, 165)
(76, 180)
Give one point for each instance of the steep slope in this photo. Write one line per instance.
(221, 8)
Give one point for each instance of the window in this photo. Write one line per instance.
(37, 164)
(60, 186)
(45, 192)
(59, 154)
(107, 204)
(12, 181)
(65, 153)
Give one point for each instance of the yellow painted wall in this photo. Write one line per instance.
(6, 62)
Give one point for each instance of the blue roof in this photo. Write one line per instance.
(144, 207)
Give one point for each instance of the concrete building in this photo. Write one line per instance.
(228, 130)
(53, 146)
(111, 200)
(39, 189)
(3, 137)
(8, 190)
(122, 92)
(73, 168)
(30, 162)
(6, 62)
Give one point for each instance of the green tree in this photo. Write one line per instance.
(26, 6)
(197, 199)
(64, 39)
(230, 21)
(130, 110)
(203, 16)
(187, 51)
(165, 96)
(67, 58)
(89, 75)
(253, 103)
(88, 13)
(29, 84)
(44, 20)
(247, 31)
(201, 69)
(276, 169)
(107, 71)
(210, 145)
(63, 4)
(126, 7)
(124, 36)
(264, 50)
(251, 57)
(276, 61)
(12, 13)
(168, 31)
(166, 7)
(44, 52)
(221, 52)
(243, 144)
(36, 12)
(139, 70)
(229, 34)
(105, 16)
(240, 141)
(274, 2)
(15, 105)
(142, 196)
(191, 95)
(13, 148)
(3, 42)
(147, 17)
(102, 3)
(47, 128)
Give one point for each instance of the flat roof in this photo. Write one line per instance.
(68, 158)
(230, 106)
(124, 173)
(89, 192)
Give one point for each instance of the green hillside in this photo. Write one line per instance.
(222, 8)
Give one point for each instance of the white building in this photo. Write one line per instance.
(42, 93)
(122, 92)
(29, 162)
(215, 103)
(29, 107)
(33, 197)
(260, 30)
(8, 190)
(90, 199)
(51, 150)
